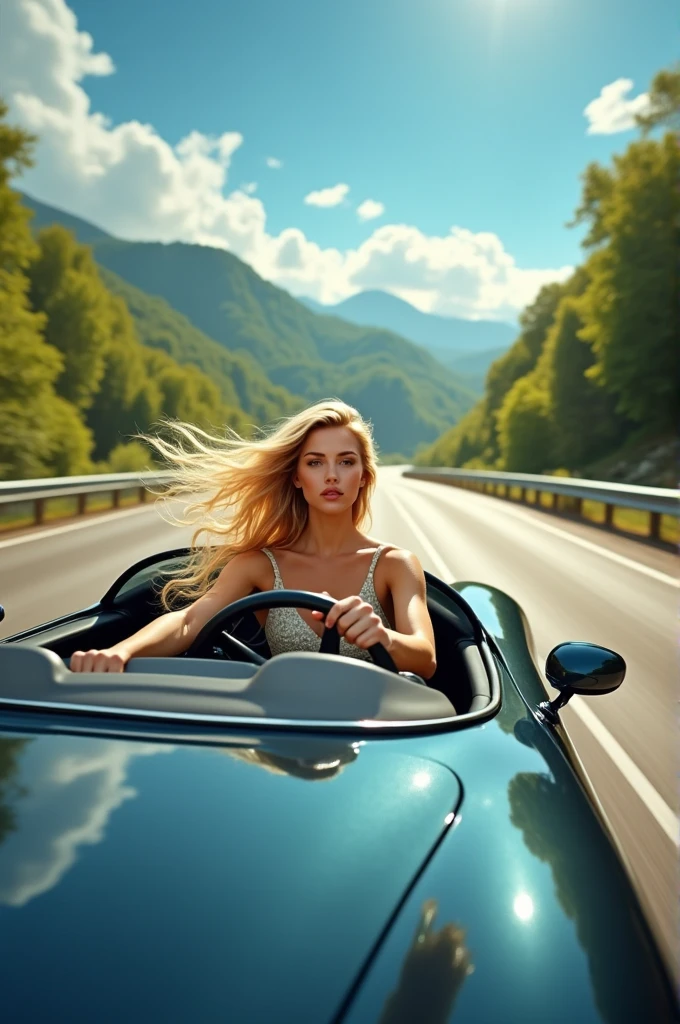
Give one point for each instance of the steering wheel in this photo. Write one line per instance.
(214, 631)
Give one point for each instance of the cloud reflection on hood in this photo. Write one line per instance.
(66, 790)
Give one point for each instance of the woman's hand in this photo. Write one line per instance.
(99, 661)
(357, 621)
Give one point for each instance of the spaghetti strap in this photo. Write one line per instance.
(376, 555)
(278, 582)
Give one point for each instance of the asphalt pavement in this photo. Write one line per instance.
(574, 582)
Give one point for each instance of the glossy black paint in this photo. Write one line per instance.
(180, 882)
(584, 668)
(525, 912)
(260, 877)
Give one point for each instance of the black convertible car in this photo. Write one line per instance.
(309, 839)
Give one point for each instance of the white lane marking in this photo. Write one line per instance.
(442, 568)
(67, 527)
(630, 563)
(654, 802)
(651, 798)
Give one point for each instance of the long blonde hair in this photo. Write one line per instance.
(252, 500)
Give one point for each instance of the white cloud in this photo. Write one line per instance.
(370, 209)
(459, 274)
(69, 790)
(128, 179)
(274, 163)
(249, 187)
(612, 111)
(327, 196)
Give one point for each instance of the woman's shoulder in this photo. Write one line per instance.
(253, 563)
(397, 559)
(386, 547)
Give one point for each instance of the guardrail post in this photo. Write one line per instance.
(115, 501)
(142, 495)
(39, 511)
(655, 525)
(574, 497)
(82, 504)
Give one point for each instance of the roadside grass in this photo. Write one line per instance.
(626, 520)
(17, 514)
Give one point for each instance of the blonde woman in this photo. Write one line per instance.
(290, 507)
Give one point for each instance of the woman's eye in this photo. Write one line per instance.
(317, 462)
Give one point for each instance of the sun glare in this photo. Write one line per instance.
(523, 906)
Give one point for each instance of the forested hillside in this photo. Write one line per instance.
(75, 380)
(309, 354)
(594, 371)
(239, 377)
(214, 302)
(87, 360)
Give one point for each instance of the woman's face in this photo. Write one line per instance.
(329, 469)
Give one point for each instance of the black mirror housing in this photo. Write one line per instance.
(579, 667)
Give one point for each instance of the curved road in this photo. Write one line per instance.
(574, 582)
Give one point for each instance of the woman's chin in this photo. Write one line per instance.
(332, 506)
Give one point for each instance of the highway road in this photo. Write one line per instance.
(575, 582)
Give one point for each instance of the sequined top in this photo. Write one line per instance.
(286, 630)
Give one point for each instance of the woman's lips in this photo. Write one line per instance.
(331, 495)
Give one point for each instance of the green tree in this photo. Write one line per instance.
(185, 392)
(583, 415)
(126, 401)
(65, 286)
(664, 102)
(129, 458)
(629, 308)
(476, 439)
(40, 434)
(525, 430)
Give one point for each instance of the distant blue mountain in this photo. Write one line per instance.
(452, 334)
(471, 367)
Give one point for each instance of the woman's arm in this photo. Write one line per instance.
(411, 643)
(412, 640)
(174, 632)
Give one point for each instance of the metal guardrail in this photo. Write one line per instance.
(656, 501)
(39, 492)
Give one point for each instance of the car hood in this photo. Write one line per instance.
(250, 882)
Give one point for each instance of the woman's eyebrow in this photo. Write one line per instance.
(322, 454)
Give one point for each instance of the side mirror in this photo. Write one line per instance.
(583, 668)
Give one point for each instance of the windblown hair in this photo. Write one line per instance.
(251, 500)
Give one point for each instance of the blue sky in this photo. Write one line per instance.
(466, 113)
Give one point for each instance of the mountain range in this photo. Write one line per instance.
(207, 307)
(467, 347)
